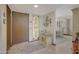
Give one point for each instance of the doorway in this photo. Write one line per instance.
(63, 26)
(62, 29)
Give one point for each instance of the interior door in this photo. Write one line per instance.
(20, 27)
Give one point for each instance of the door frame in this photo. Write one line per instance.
(8, 46)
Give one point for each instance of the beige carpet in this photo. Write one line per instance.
(36, 48)
(25, 47)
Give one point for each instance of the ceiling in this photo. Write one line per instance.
(42, 8)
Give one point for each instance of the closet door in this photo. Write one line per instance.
(20, 27)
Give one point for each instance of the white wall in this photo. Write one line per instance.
(41, 23)
(2, 29)
(30, 28)
(63, 13)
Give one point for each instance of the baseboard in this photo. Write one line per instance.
(54, 44)
(68, 34)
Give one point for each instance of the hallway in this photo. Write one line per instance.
(37, 48)
(25, 28)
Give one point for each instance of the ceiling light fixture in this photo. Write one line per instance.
(36, 6)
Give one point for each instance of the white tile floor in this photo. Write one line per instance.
(36, 48)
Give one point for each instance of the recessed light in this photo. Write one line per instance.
(36, 6)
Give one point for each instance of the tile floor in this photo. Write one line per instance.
(36, 48)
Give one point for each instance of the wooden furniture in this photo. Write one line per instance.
(76, 44)
(75, 47)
